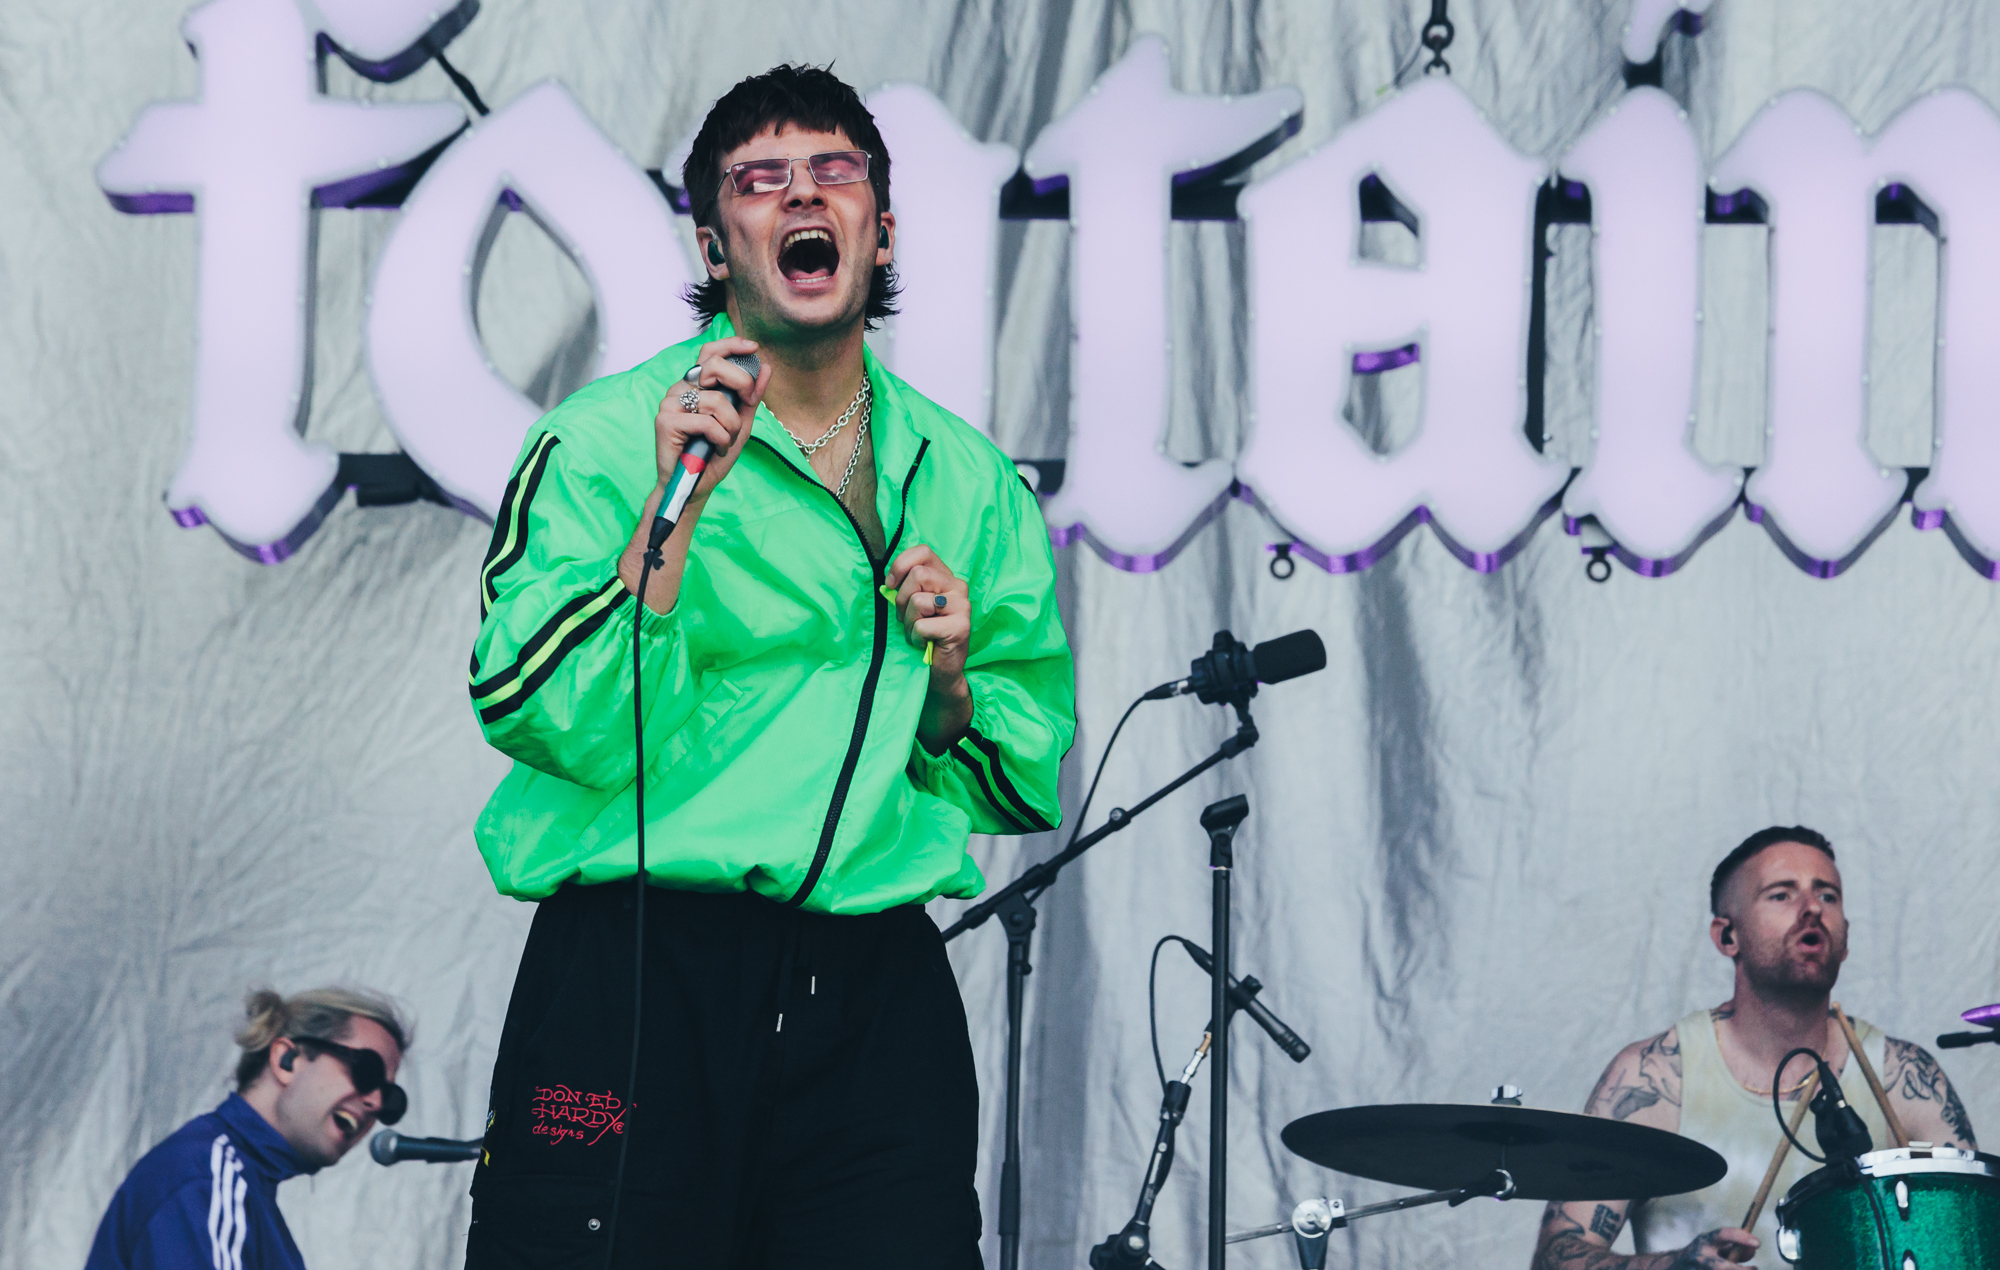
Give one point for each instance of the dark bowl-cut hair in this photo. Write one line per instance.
(1755, 843)
(808, 97)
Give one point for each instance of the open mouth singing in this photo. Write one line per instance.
(808, 255)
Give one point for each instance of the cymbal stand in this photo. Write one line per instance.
(1314, 1219)
(1014, 903)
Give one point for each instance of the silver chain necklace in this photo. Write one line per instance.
(860, 439)
(811, 448)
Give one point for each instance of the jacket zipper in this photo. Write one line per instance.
(876, 657)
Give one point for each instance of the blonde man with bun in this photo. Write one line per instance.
(317, 1072)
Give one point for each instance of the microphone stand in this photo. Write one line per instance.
(1221, 820)
(1014, 903)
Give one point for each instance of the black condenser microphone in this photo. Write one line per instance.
(1839, 1128)
(390, 1147)
(693, 459)
(1244, 991)
(1230, 670)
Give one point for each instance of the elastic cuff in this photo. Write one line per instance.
(656, 625)
(929, 767)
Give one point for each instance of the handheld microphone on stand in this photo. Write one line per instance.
(1229, 670)
(693, 459)
(1986, 1016)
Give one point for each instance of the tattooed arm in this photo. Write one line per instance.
(1642, 1085)
(1567, 1246)
(1925, 1101)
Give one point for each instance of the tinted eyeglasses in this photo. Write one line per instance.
(366, 1069)
(768, 176)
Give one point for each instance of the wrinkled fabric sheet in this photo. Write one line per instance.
(1478, 842)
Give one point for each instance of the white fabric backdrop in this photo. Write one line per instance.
(1478, 842)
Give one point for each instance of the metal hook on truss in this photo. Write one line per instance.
(1437, 36)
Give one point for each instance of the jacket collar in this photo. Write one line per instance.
(264, 1148)
(898, 435)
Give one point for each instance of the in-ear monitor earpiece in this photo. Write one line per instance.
(714, 252)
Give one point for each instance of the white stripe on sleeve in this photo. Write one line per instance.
(242, 1225)
(217, 1190)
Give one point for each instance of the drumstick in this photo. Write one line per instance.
(1874, 1081)
(1806, 1092)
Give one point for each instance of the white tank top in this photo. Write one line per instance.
(1737, 1124)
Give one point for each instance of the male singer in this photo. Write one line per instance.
(850, 660)
(1778, 914)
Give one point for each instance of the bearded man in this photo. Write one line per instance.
(851, 659)
(1777, 912)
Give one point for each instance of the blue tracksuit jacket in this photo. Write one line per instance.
(204, 1199)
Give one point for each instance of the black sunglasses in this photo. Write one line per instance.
(366, 1069)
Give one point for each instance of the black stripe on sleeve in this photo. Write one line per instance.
(549, 630)
(510, 527)
(978, 769)
(992, 752)
(578, 634)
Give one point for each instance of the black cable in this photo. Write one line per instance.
(647, 561)
(1778, 1078)
(1874, 1201)
(1076, 830)
(1396, 77)
(1152, 1014)
(1881, 1224)
(463, 84)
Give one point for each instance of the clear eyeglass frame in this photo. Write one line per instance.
(768, 176)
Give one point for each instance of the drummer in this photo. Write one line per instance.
(1776, 901)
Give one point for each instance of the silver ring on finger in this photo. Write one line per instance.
(690, 401)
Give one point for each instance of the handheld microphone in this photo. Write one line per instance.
(693, 459)
(1243, 994)
(1229, 670)
(390, 1147)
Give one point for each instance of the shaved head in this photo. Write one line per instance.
(1754, 845)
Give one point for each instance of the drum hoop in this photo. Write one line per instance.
(1900, 1164)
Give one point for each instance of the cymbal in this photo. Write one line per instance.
(1551, 1154)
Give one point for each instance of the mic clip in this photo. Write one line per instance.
(1841, 1132)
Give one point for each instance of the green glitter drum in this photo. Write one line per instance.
(1931, 1209)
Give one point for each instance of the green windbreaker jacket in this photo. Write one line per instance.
(781, 693)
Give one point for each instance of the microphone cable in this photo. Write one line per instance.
(666, 516)
(1076, 830)
(1152, 1006)
(646, 565)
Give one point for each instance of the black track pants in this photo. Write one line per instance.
(806, 1094)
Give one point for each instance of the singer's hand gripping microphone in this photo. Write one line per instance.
(687, 474)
